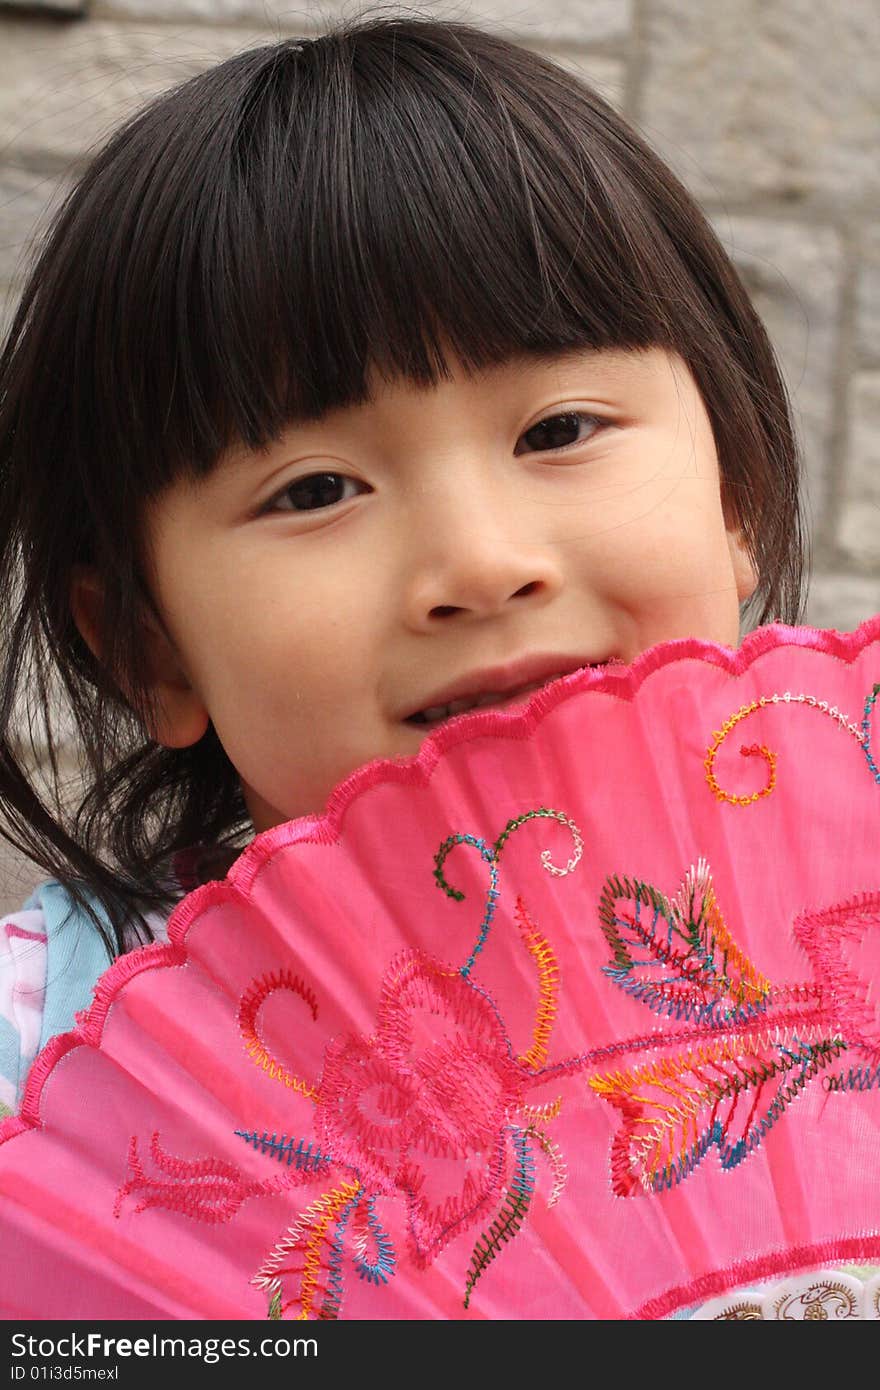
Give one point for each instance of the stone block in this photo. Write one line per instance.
(572, 21)
(842, 601)
(868, 299)
(793, 273)
(777, 100)
(66, 87)
(27, 201)
(859, 530)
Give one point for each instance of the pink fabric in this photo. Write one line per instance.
(575, 1015)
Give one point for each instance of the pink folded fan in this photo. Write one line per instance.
(574, 1015)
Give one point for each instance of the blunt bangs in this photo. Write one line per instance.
(239, 271)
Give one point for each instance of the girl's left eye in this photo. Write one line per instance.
(314, 492)
(562, 431)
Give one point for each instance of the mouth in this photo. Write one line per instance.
(432, 717)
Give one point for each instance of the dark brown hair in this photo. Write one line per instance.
(234, 259)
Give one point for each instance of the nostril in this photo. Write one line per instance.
(527, 589)
(444, 611)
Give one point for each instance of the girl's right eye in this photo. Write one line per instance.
(312, 493)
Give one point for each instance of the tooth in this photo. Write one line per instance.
(434, 712)
(459, 706)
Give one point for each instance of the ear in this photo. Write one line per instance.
(181, 717)
(743, 565)
(744, 570)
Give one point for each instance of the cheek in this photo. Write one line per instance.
(290, 652)
(665, 533)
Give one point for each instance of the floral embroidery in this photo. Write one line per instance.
(440, 1123)
(455, 1096)
(673, 1111)
(445, 1124)
(706, 976)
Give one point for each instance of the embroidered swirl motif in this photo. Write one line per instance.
(862, 736)
(248, 1009)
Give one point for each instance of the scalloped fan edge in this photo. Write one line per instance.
(623, 682)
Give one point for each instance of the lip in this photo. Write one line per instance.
(501, 680)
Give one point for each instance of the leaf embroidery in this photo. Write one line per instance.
(678, 957)
(726, 1094)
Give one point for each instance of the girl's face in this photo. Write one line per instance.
(317, 594)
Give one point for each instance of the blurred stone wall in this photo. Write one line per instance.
(769, 112)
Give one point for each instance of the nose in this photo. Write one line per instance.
(473, 557)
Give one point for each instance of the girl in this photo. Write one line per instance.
(357, 378)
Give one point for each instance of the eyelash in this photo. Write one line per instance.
(270, 507)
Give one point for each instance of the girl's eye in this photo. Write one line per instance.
(561, 431)
(313, 492)
(319, 490)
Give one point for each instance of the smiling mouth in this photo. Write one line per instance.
(438, 714)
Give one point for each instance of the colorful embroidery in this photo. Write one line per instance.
(443, 1122)
(307, 1236)
(295, 1151)
(706, 977)
(397, 1113)
(751, 1048)
(843, 944)
(510, 1218)
(856, 1079)
(862, 736)
(866, 731)
(556, 1161)
(366, 1230)
(249, 1007)
(548, 973)
(727, 1095)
